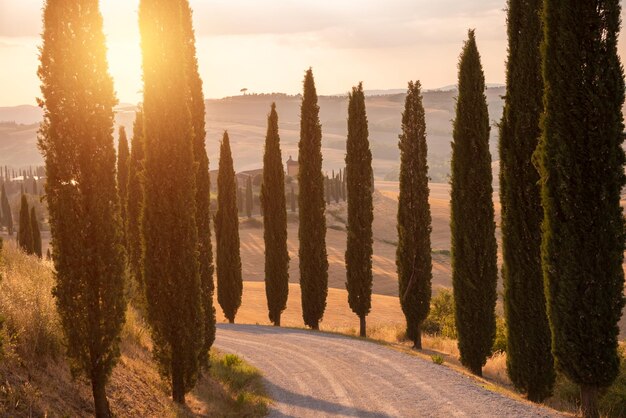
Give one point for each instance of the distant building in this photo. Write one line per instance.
(292, 167)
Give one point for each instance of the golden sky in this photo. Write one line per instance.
(266, 45)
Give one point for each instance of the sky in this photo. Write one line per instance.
(266, 45)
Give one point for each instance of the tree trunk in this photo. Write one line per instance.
(231, 320)
(417, 342)
(316, 327)
(589, 400)
(178, 381)
(101, 403)
(363, 331)
(277, 321)
(477, 370)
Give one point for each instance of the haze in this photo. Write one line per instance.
(265, 46)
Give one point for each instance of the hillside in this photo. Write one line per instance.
(35, 379)
(245, 118)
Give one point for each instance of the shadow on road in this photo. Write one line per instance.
(282, 395)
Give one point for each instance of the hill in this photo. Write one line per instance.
(245, 118)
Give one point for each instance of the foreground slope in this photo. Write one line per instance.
(312, 374)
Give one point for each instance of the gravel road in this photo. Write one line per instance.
(311, 374)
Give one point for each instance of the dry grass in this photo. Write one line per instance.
(36, 381)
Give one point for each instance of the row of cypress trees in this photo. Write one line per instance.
(164, 225)
(562, 171)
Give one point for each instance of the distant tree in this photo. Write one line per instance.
(474, 267)
(229, 281)
(360, 209)
(581, 161)
(336, 188)
(123, 155)
(327, 190)
(81, 192)
(240, 200)
(7, 216)
(257, 180)
(413, 255)
(249, 197)
(34, 187)
(36, 233)
(171, 267)
(134, 232)
(25, 233)
(530, 364)
(344, 193)
(312, 226)
(274, 205)
(293, 200)
(48, 254)
(203, 187)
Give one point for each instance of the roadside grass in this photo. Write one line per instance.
(35, 379)
(242, 382)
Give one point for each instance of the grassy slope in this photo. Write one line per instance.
(36, 380)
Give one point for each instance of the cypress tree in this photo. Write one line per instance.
(134, 232)
(240, 200)
(360, 209)
(474, 268)
(273, 202)
(413, 255)
(327, 189)
(76, 139)
(249, 197)
(229, 281)
(203, 186)
(581, 162)
(171, 267)
(25, 233)
(7, 216)
(34, 187)
(36, 233)
(312, 226)
(293, 200)
(529, 360)
(122, 176)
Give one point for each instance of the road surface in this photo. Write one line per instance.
(311, 374)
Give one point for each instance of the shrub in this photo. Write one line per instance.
(437, 359)
(440, 320)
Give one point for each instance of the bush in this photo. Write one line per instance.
(440, 320)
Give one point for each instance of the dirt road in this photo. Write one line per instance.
(312, 374)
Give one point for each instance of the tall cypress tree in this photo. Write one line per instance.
(123, 154)
(203, 186)
(529, 360)
(360, 209)
(413, 255)
(229, 281)
(25, 233)
(134, 233)
(171, 268)
(7, 216)
(293, 200)
(274, 203)
(76, 139)
(311, 204)
(34, 226)
(581, 163)
(249, 197)
(474, 268)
